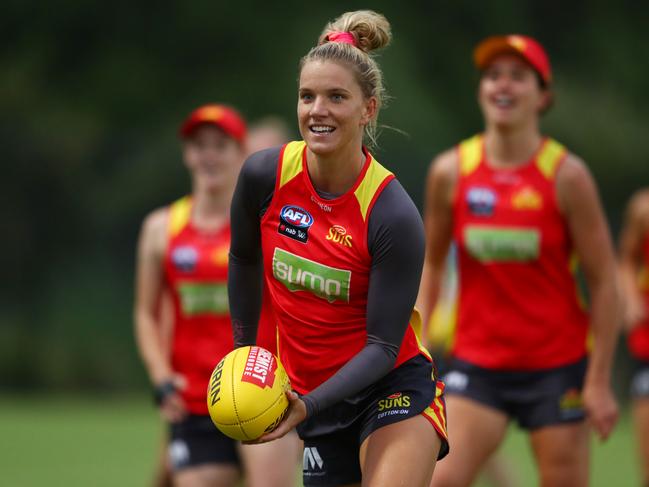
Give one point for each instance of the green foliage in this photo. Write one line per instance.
(91, 95)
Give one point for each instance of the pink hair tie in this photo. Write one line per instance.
(344, 37)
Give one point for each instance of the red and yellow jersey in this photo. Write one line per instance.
(639, 336)
(196, 271)
(317, 266)
(519, 303)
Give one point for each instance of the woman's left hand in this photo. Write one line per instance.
(295, 415)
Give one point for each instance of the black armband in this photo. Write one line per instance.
(162, 391)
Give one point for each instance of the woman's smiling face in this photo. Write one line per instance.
(332, 111)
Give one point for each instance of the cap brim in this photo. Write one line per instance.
(491, 47)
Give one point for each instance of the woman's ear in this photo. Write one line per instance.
(369, 110)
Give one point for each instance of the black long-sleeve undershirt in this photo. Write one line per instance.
(396, 243)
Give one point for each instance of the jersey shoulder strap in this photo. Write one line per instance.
(179, 215)
(290, 162)
(470, 154)
(375, 179)
(549, 158)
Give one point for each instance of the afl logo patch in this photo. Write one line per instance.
(296, 216)
(294, 222)
(184, 258)
(481, 201)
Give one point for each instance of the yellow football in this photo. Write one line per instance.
(246, 396)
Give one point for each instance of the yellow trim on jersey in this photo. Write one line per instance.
(433, 416)
(549, 158)
(417, 325)
(442, 410)
(291, 161)
(470, 154)
(365, 192)
(179, 215)
(573, 265)
(442, 323)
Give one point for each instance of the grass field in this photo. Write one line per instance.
(78, 441)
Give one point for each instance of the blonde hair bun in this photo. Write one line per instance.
(371, 30)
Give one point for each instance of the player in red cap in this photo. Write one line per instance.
(340, 245)
(183, 251)
(522, 211)
(634, 273)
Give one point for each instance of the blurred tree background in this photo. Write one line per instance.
(91, 95)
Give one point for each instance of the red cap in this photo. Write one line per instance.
(224, 117)
(524, 46)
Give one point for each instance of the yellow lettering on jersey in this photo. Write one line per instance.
(338, 234)
(527, 198)
(220, 255)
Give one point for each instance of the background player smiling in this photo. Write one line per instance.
(520, 207)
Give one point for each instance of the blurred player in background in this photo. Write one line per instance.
(183, 251)
(269, 131)
(498, 470)
(520, 208)
(332, 231)
(634, 273)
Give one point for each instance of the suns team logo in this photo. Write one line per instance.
(220, 255)
(395, 404)
(527, 198)
(294, 222)
(338, 234)
(571, 404)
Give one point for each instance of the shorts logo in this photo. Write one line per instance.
(184, 258)
(527, 198)
(260, 368)
(396, 400)
(640, 384)
(571, 404)
(178, 453)
(481, 201)
(300, 274)
(295, 222)
(311, 460)
(338, 234)
(456, 381)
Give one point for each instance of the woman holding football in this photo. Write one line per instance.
(331, 231)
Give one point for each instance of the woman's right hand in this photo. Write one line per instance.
(295, 415)
(172, 406)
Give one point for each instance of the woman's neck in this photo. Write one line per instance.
(511, 147)
(335, 173)
(210, 209)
